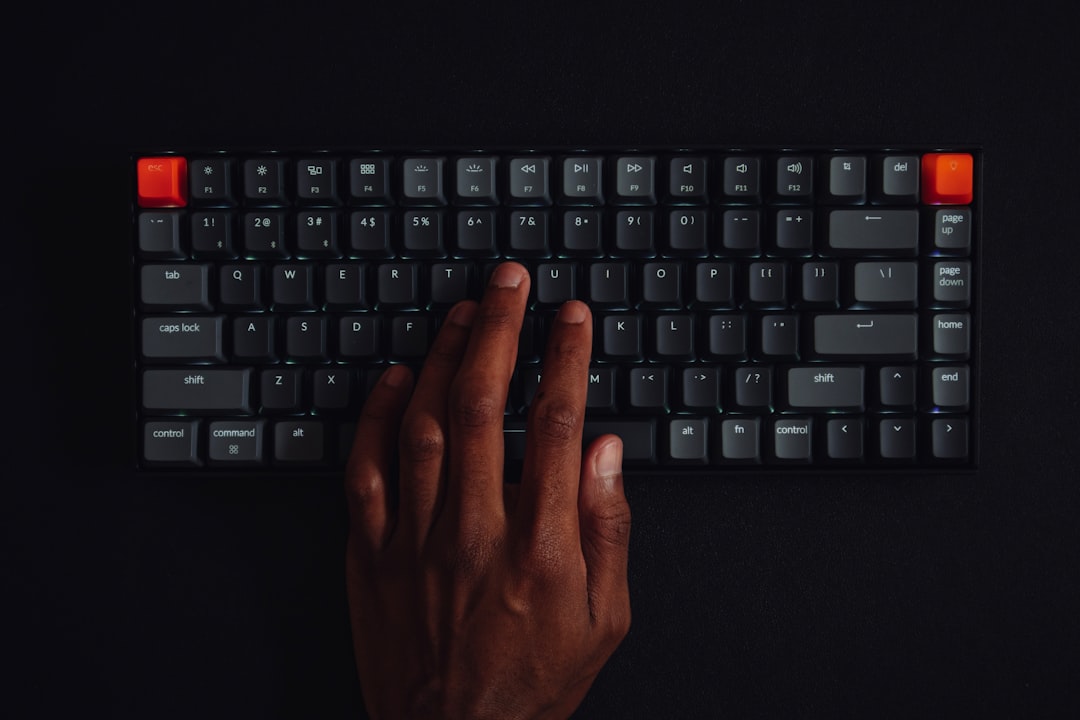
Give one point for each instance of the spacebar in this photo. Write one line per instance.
(638, 436)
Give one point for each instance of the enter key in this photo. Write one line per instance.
(844, 335)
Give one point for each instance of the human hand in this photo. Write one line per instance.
(471, 597)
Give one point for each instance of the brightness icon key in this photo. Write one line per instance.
(162, 182)
(475, 181)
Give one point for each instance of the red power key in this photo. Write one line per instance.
(947, 178)
(162, 182)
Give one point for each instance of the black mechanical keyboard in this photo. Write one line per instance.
(755, 307)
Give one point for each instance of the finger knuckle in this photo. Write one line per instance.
(422, 438)
(443, 355)
(476, 404)
(543, 556)
(571, 351)
(472, 552)
(495, 317)
(556, 418)
(363, 488)
(611, 524)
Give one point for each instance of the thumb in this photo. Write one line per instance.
(604, 516)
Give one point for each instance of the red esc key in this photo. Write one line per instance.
(947, 178)
(162, 182)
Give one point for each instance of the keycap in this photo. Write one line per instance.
(740, 440)
(795, 176)
(162, 182)
(952, 334)
(171, 443)
(952, 283)
(300, 441)
(844, 439)
(899, 178)
(688, 440)
(753, 388)
(369, 180)
(701, 388)
(742, 230)
(582, 179)
(190, 338)
(237, 442)
(175, 286)
(212, 180)
(847, 178)
(950, 388)
(635, 179)
(422, 180)
(866, 335)
(897, 386)
(873, 229)
(952, 229)
(792, 440)
(528, 179)
(826, 388)
(687, 178)
(947, 178)
(317, 180)
(159, 235)
(742, 178)
(264, 180)
(949, 438)
(475, 180)
(638, 438)
(894, 283)
(897, 440)
(197, 389)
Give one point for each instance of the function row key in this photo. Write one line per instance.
(942, 179)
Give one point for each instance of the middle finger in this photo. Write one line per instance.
(478, 399)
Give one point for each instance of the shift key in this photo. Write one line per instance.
(197, 390)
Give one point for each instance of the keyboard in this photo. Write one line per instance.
(761, 307)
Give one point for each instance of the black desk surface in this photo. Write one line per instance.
(835, 596)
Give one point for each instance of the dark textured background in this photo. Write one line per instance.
(833, 596)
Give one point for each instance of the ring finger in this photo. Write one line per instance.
(422, 442)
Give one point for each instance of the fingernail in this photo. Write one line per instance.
(572, 313)
(507, 276)
(609, 463)
(394, 376)
(462, 314)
